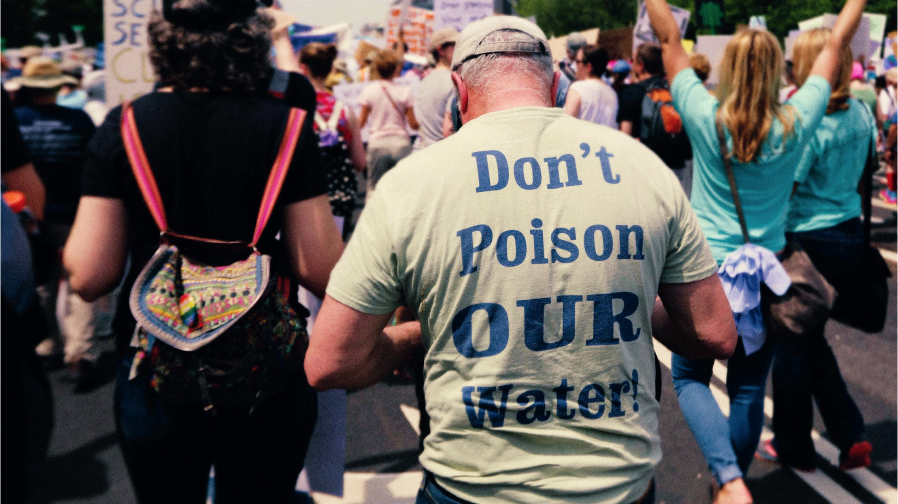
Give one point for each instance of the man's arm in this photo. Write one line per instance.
(626, 127)
(694, 319)
(352, 350)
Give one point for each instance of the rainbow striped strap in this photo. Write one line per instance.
(141, 167)
(150, 191)
(279, 170)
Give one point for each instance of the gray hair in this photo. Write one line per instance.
(486, 72)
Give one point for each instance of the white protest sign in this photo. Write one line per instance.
(860, 44)
(712, 46)
(643, 31)
(790, 43)
(877, 32)
(128, 69)
(759, 22)
(810, 24)
(460, 13)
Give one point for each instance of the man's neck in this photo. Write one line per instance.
(506, 99)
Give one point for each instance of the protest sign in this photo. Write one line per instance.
(643, 31)
(618, 42)
(810, 24)
(415, 26)
(558, 45)
(860, 44)
(712, 46)
(130, 74)
(877, 32)
(710, 14)
(759, 22)
(460, 13)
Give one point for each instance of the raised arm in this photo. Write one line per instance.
(694, 319)
(353, 350)
(668, 33)
(828, 61)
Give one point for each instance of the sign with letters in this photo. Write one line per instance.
(416, 27)
(129, 73)
(460, 13)
(643, 31)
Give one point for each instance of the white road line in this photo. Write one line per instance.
(882, 490)
(383, 488)
(882, 204)
(413, 415)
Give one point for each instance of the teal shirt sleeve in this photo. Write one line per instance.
(697, 109)
(809, 104)
(808, 160)
(366, 277)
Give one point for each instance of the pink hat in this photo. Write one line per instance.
(857, 71)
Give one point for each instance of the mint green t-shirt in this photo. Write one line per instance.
(764, 185)
(530, 245)
(830, 169)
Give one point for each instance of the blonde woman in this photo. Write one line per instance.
(389, 108)
(766, 141)
(824, 217)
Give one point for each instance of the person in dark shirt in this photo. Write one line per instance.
(648, 72)
(57, 138)
(211, 132)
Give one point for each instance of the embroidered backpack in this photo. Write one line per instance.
(216, 336)
(342, 185)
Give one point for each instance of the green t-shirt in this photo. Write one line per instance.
(830, 169)
(530, 245)
(764, 185)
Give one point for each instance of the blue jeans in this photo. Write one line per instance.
(728, 444)
(170, 448)
(807, 370)
(432, 493)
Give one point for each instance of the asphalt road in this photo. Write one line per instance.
(85, 464)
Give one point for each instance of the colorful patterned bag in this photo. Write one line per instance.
(342, 184)
(219, 336)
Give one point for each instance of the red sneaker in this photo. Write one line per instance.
(767, 452)
(858, 456)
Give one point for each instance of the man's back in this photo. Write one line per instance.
(57, 139)
(532, 261)
(430, 104)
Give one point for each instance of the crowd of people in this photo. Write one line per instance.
(436, 231)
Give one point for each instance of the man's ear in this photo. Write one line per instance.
(555, 79)
(462, 92)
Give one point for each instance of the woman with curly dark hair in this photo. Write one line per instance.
(211, 135)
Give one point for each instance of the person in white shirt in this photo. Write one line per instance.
(590, 99)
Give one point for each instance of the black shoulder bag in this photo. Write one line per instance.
(807, 304)
(864, 298)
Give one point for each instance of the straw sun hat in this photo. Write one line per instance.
(43, 73)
